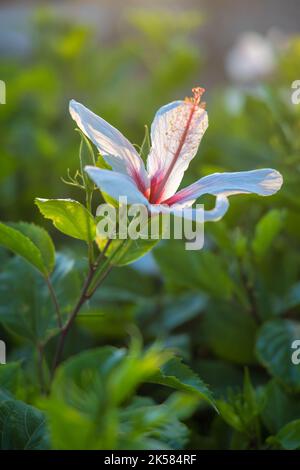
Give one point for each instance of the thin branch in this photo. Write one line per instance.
(82, 299)
(40, 349)
(65, 329)
(54, 300)
(101, 279)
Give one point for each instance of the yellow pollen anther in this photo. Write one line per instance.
(196, 98)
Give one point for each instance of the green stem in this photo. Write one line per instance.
(101, 274)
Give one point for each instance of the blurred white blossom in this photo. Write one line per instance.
(252, 57)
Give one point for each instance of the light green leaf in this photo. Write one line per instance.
(177, 375)
(101, 163)
(266, 231)
(87, 392)
(84, 369)
(69, 216)
(230, 415)
(95, 392)
(123, 253)
(274, 351)
(79, 400)
(21, 244)
(42, 241)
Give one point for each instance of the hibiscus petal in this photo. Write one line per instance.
(220, 209)
(176, 133)
(115, 148)
(116, 185)
(263, 182)
(187, 212)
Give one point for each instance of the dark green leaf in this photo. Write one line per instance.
(287, 407)
(21, 427)
(177, 375)
(10, 377)
(175, 311)
(289, 436)
(26, 308)
(193, 269)
(230, 333)
(274, 350)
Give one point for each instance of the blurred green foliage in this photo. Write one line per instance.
(125, 82)
(230, 310)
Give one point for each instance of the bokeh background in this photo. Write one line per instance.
(235, 304)
(123, 59)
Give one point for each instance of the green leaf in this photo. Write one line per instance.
(230, 332)
(88, 390)
(221, 375)
(26, 308)
(273, 348)
(66, 281)
(10, 377)
(123, 253)
(193, 269)
(266, 231)
(83, 370)
(290, 300)
(42, 241)
(95, 392)
(287, 407)
(289, 436)
(230, 415)
(242, 409)
(177, 375)
(101, 163)
(79, 399)
(121, 372)
(21, 427)
(69, 216)
(143, 417)
(175, 311)
(21, 244)
(64, 422)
